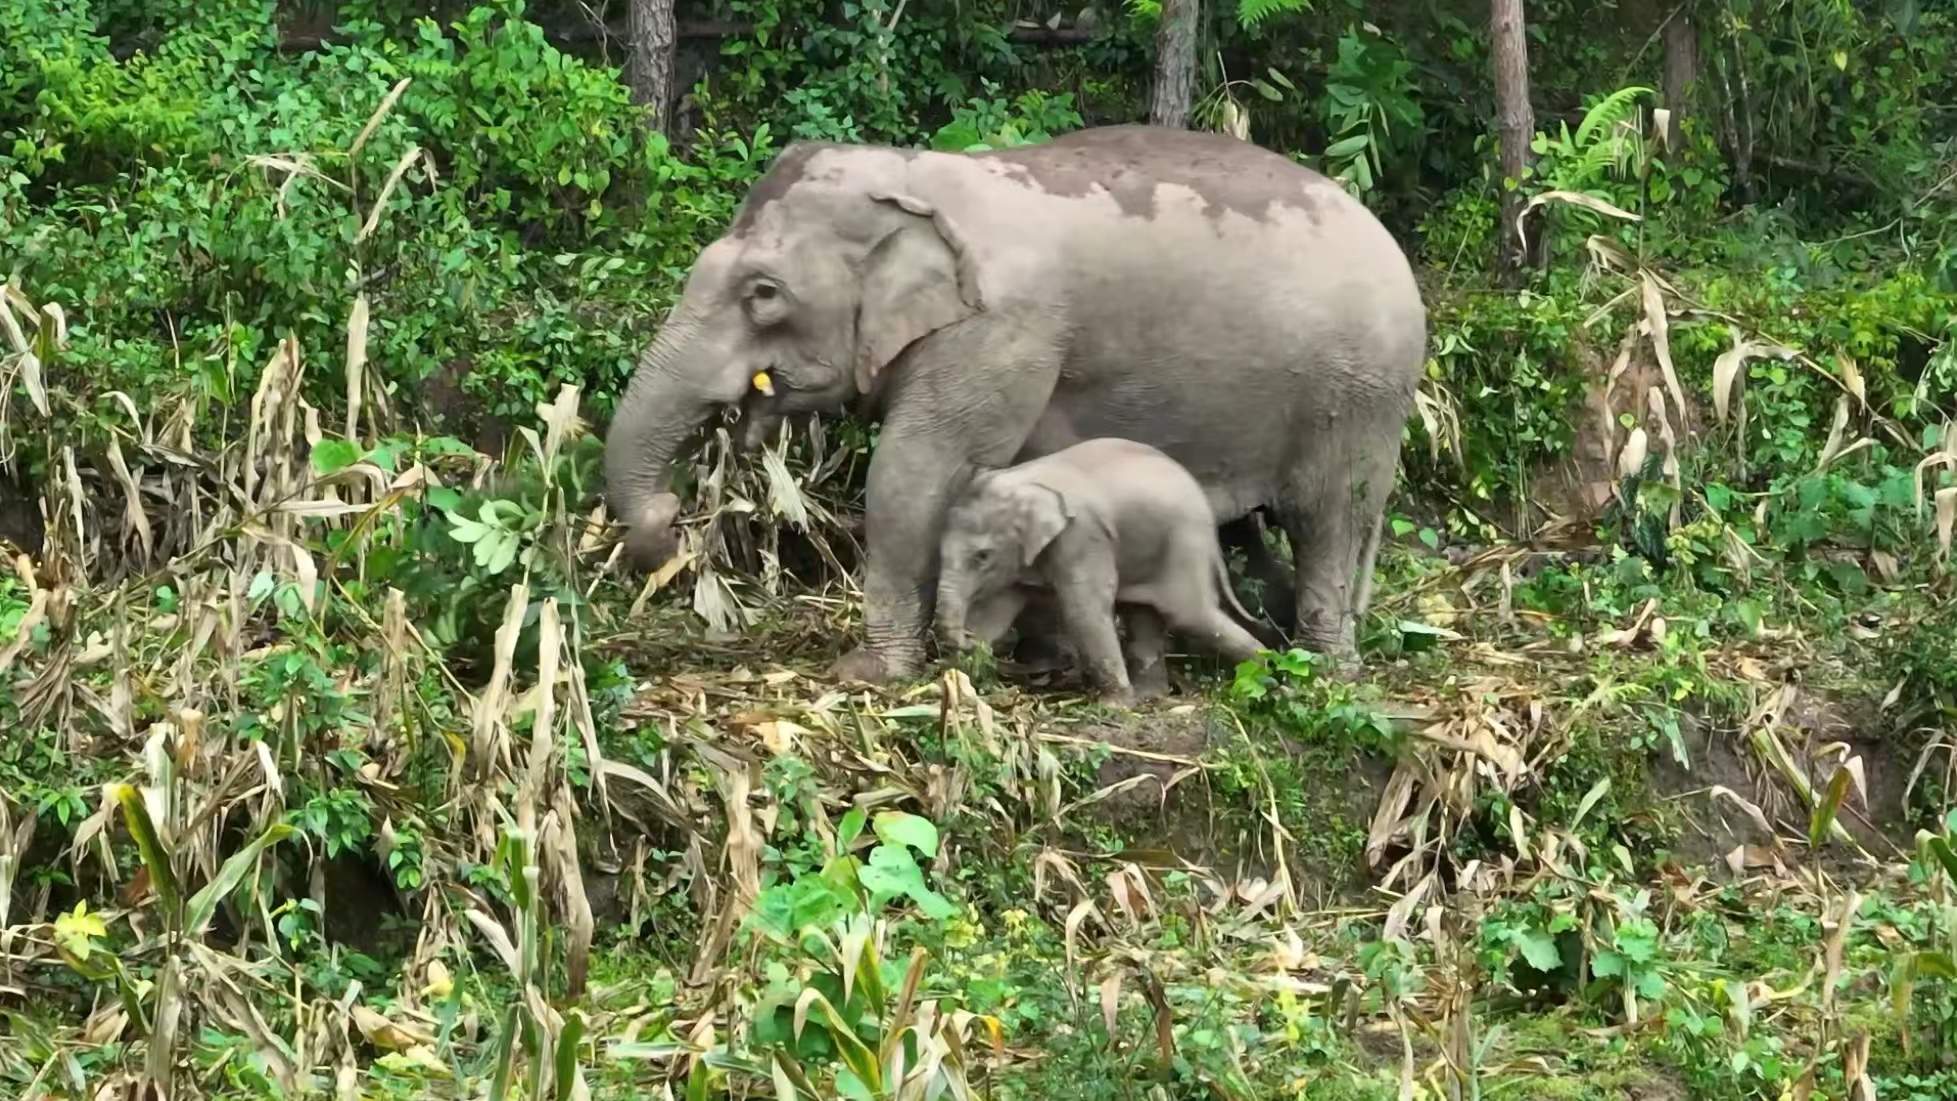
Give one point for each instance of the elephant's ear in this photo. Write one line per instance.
(1044, 514)
(918, 279)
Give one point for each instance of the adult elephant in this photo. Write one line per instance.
(1187, 290)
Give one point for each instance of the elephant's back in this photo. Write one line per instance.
(1151, 173)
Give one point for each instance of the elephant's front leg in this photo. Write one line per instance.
(1080, 565)
(910, 487)
(965, 398)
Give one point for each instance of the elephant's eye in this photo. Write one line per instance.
(767, 303)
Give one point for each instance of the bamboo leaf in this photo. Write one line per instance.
(204, 904)
(1597, 791)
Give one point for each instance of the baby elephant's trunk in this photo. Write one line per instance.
(1256, 626)
(951, 613)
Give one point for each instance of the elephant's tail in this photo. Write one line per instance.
(1363, 595)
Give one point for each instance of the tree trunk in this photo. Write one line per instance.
(1515, 121)
(649, 69)
(1681, 37)
(1175, 64)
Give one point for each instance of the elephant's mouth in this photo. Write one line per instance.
(756, 419)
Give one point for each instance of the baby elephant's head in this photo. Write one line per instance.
(992, 536)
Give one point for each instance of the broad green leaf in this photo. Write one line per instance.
(899, 828)
(1607, 964)
(464, 530)
(204, 904)
(851, 827)
(892, 872)
(1539, 948)
(331, 456)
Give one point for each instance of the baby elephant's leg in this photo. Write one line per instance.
(1085, 585)
(1148, 667)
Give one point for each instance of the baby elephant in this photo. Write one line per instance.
(1103, 523)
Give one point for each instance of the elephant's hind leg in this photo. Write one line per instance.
(1332, 516)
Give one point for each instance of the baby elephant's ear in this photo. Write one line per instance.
(1043, 516)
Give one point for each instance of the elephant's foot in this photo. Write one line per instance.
(1120, 698)
(867, 666)
(1151, 680)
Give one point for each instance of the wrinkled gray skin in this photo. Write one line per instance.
(1186, 290)
(1104, 524)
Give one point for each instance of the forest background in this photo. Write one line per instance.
(341, 758)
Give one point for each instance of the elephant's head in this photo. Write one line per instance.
(991, 539)
(835, 266)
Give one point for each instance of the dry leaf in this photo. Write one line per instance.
(385, 1033)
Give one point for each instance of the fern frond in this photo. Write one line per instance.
(1608, 112)
(1250, 13)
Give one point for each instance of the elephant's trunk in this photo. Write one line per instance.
(660, 412)
(950, 614)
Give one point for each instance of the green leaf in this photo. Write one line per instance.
(567, 1053)
(892, 872)
(1940, 849)
(1266, 90)
(1540, 949)
(1937, 965)
(1597, 791)
(149, 844)
(496, 551)
(464, 530)
(331, 456)
(851, 827)
(899, 828)
(1825, 808)
(204, 904)
(1607, 964)
(505, 1063)
(1347, 147)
